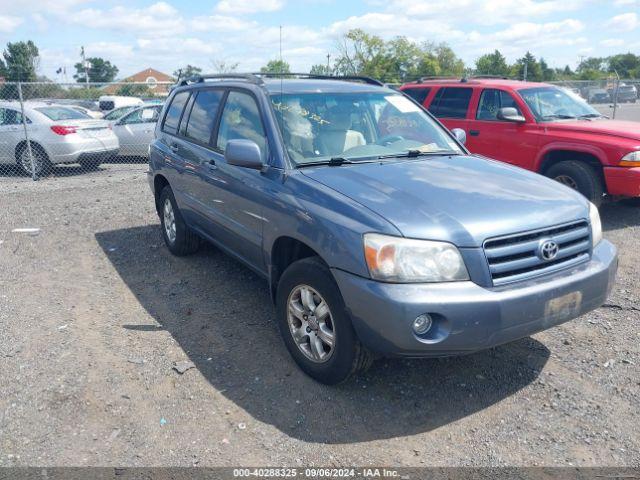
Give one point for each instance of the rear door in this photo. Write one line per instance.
(451, 104)
(515, 143)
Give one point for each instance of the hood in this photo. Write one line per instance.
(463, 200)
(616, 128)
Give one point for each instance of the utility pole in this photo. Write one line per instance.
(85, 64)
(328, 67)
(526, 64)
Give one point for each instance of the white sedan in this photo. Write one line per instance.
(135, 130)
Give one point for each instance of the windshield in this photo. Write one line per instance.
(356, 126)
(550, 103)
(62, 113)
(117, 113)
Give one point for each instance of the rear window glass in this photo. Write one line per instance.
(418, 94)
(61, 113)
(107, 105)
(451, 102)
(203, 115)
(172, 119)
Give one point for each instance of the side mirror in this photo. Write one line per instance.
(243, 153)
(510, 114)
(460, 135)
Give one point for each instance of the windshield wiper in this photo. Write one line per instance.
(332, 162)
(558, 116)
(418, 153)
(591, 115)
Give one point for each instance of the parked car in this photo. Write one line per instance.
(86, 111)
(135, 130)
(626, 93)
(542, 128)
(57, 134)
(598, 95)
(109, 102)
(375, 228)
(117, 113)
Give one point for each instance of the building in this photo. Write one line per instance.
(155, 81)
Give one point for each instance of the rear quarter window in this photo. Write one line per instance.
(418, 94)
(451, 102)
(174, 112)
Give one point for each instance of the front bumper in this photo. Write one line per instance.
(468, 317)
(623, 181)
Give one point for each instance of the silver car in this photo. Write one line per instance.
(135, 130)
(58, 134)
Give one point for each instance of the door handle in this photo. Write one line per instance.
(474, 133)
(174, 147)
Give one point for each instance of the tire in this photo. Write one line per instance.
(347, 355)
(41, 160)
(581, 177)
(182, 241)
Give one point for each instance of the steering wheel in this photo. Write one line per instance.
(389, 139)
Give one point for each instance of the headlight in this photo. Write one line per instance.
(403, 260)
(631, 159)
(596, 225)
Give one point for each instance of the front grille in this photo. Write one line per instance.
(516, 257)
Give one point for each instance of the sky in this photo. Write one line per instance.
(168, 34)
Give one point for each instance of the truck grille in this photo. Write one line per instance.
(516, 257)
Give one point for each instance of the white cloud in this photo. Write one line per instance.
(248, 6)
(9, 23)
(612, 42)
(109, 50)
(160, 18)
(624, 22)
(217, 23)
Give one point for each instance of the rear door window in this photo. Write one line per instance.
(203, 116)
(418, 94)
(451, 102)
(493, 100)
(174, 112)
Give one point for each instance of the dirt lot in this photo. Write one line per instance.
(94, 311)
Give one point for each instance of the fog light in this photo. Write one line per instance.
(422, 324)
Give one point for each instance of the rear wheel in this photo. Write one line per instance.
(579, 176)
(40, 163)
(178, 237)
(315, 326)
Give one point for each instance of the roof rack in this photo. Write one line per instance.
(249, 77)
(348, 78)
(498, 77)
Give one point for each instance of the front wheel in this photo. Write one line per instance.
(579, 176)
(315, 326)
(178, 237)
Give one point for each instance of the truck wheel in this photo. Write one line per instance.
(579, 176)
(178, 237)
(315, 326)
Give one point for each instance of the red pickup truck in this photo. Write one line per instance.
(540, 127)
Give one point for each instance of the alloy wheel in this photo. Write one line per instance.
(169, 221)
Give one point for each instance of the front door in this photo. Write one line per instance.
(11, 133)
(511, 142)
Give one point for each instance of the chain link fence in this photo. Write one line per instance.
(606, 95)
(51, 129)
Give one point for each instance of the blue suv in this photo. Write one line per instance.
(377, 231)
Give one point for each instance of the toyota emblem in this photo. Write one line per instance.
(548, 250)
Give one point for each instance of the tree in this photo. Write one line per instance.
(548, 74)
(222, 66)
(134, 90)
(276, 66)
(492, 64)
(21, 61)
(591, 68)
(321, 69)
(99, 71)
(533, 69)
(627, 65)
(449, 63)
(186, 72)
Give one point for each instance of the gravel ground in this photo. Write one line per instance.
(95, 312)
